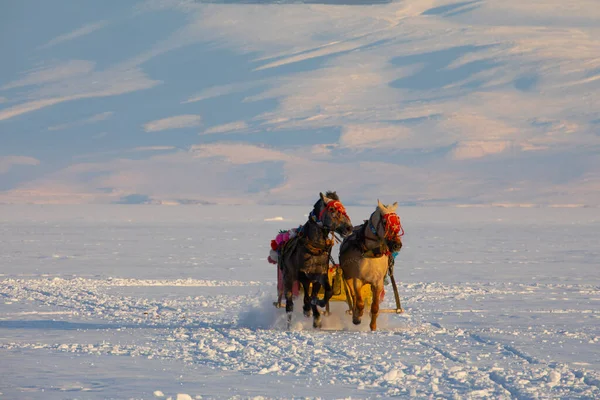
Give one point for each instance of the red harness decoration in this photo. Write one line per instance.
(392, 225)
(333, 205)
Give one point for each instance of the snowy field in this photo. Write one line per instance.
(157, 302)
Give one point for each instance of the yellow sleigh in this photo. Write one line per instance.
(340, 292)
(338, 285)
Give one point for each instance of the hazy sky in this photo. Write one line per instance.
(419, 102)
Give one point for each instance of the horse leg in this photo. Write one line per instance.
(376, 289)
(355, 286)
(280, 288)
(305, 282)
(288, 283)
(349, 292)
(316, 286)
(327, 289)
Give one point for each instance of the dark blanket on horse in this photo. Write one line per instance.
(314, 258)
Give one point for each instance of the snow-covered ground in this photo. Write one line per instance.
(157, 302)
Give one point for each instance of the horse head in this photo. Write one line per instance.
(386, 224)
(329, 211)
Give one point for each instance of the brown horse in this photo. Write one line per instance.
(305, 258)
(365, 258)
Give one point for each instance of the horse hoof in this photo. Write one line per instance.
(308, 313)
(317, 323)
(356, 321)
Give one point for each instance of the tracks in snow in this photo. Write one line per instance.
(417, 357)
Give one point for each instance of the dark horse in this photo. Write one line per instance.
(305, 258)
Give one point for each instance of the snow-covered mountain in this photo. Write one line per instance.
(421, 102)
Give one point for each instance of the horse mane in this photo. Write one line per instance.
(332, 195)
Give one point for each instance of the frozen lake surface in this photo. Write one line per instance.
(155, 302)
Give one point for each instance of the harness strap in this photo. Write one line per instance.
(318, 250)
(333, 205)
(373, 229)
